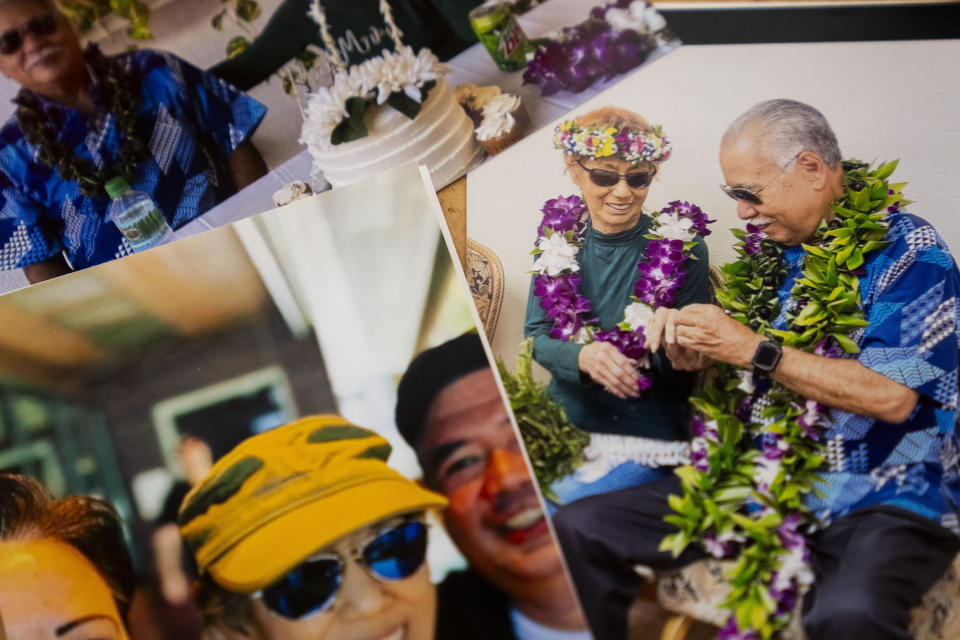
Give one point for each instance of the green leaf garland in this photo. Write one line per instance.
(554, 444)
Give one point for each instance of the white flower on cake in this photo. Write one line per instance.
(557, 255)
(675, 227)
(327, 107)
(401, 71)
(638, 315)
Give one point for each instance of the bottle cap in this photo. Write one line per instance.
(116, 187)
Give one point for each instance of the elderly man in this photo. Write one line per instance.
(452, 413)
(890, 485)
(167, 128)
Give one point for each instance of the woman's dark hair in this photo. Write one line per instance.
(222, 609)
(89, 525)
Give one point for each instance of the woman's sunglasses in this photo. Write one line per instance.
(393, 554)
(12, 39)
(604, 178)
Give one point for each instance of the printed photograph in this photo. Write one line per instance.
(746, 435)
(132, 125)
(284, 428)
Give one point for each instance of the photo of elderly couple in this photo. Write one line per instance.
(761, 444)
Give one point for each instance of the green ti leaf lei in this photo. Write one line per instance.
(554, 444)
(739, 500)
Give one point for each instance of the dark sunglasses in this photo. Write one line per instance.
(742, 193)
(604, 178)
(393, 554)
(12, 39)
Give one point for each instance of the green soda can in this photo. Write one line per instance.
(497, 29)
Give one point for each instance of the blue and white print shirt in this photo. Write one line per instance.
(192, 120)
(910, 297)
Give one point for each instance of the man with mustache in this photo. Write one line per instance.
(83, 119)
(451, 412)
(890, 483)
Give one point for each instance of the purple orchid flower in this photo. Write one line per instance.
(731, 631)
(752, 240)
(699, 457)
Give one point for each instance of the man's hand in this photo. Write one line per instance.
(246, 164)
(610, 368)
(47, 269)
(706, 329)
(662, 330)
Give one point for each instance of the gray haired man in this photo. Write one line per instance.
(890, 484)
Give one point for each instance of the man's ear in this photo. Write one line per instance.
(813, 169)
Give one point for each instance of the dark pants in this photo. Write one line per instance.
(871, 566)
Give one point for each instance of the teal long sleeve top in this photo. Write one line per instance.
(357, 27)
(608, 265)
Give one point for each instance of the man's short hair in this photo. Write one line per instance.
(430, 373)
(787, 128)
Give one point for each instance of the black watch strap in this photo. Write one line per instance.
(766, 358)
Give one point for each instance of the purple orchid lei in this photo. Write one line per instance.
(661, 276)
(605, 45)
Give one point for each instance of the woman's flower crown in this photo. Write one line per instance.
(604, 141)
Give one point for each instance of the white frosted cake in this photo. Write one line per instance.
(441, 137)
(390, 109)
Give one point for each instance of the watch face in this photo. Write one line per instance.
(766, 356)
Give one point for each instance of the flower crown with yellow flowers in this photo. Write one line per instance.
(604, 141)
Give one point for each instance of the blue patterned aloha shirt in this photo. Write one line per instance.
(910, 297)
(192, 120)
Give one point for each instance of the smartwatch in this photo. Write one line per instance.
(765, 359)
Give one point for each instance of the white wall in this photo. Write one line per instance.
(884, 100)
(183, 27)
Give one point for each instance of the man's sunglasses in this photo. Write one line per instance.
(395, 553)
(742, 193)
(604, 178)
(12, 39)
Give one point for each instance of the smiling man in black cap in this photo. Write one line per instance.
(452, 413)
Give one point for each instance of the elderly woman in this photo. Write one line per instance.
(305, 532)
(603, 267)
(170, 130)
(65, 571)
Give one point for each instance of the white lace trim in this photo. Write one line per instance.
(608, 451)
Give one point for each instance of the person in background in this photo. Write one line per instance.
(450, 410)
(196, 460)
(357, 28)
(65, 570)
(304, 532)
(169, 129)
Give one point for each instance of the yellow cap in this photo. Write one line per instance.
(281, 495)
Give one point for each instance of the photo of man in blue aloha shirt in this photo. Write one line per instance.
(186, 145)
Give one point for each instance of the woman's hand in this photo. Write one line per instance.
(610, 368)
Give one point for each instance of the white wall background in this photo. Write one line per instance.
(884, 100)
(183, 27)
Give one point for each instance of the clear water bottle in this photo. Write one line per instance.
(137, 216)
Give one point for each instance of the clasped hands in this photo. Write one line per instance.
(692, 337)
